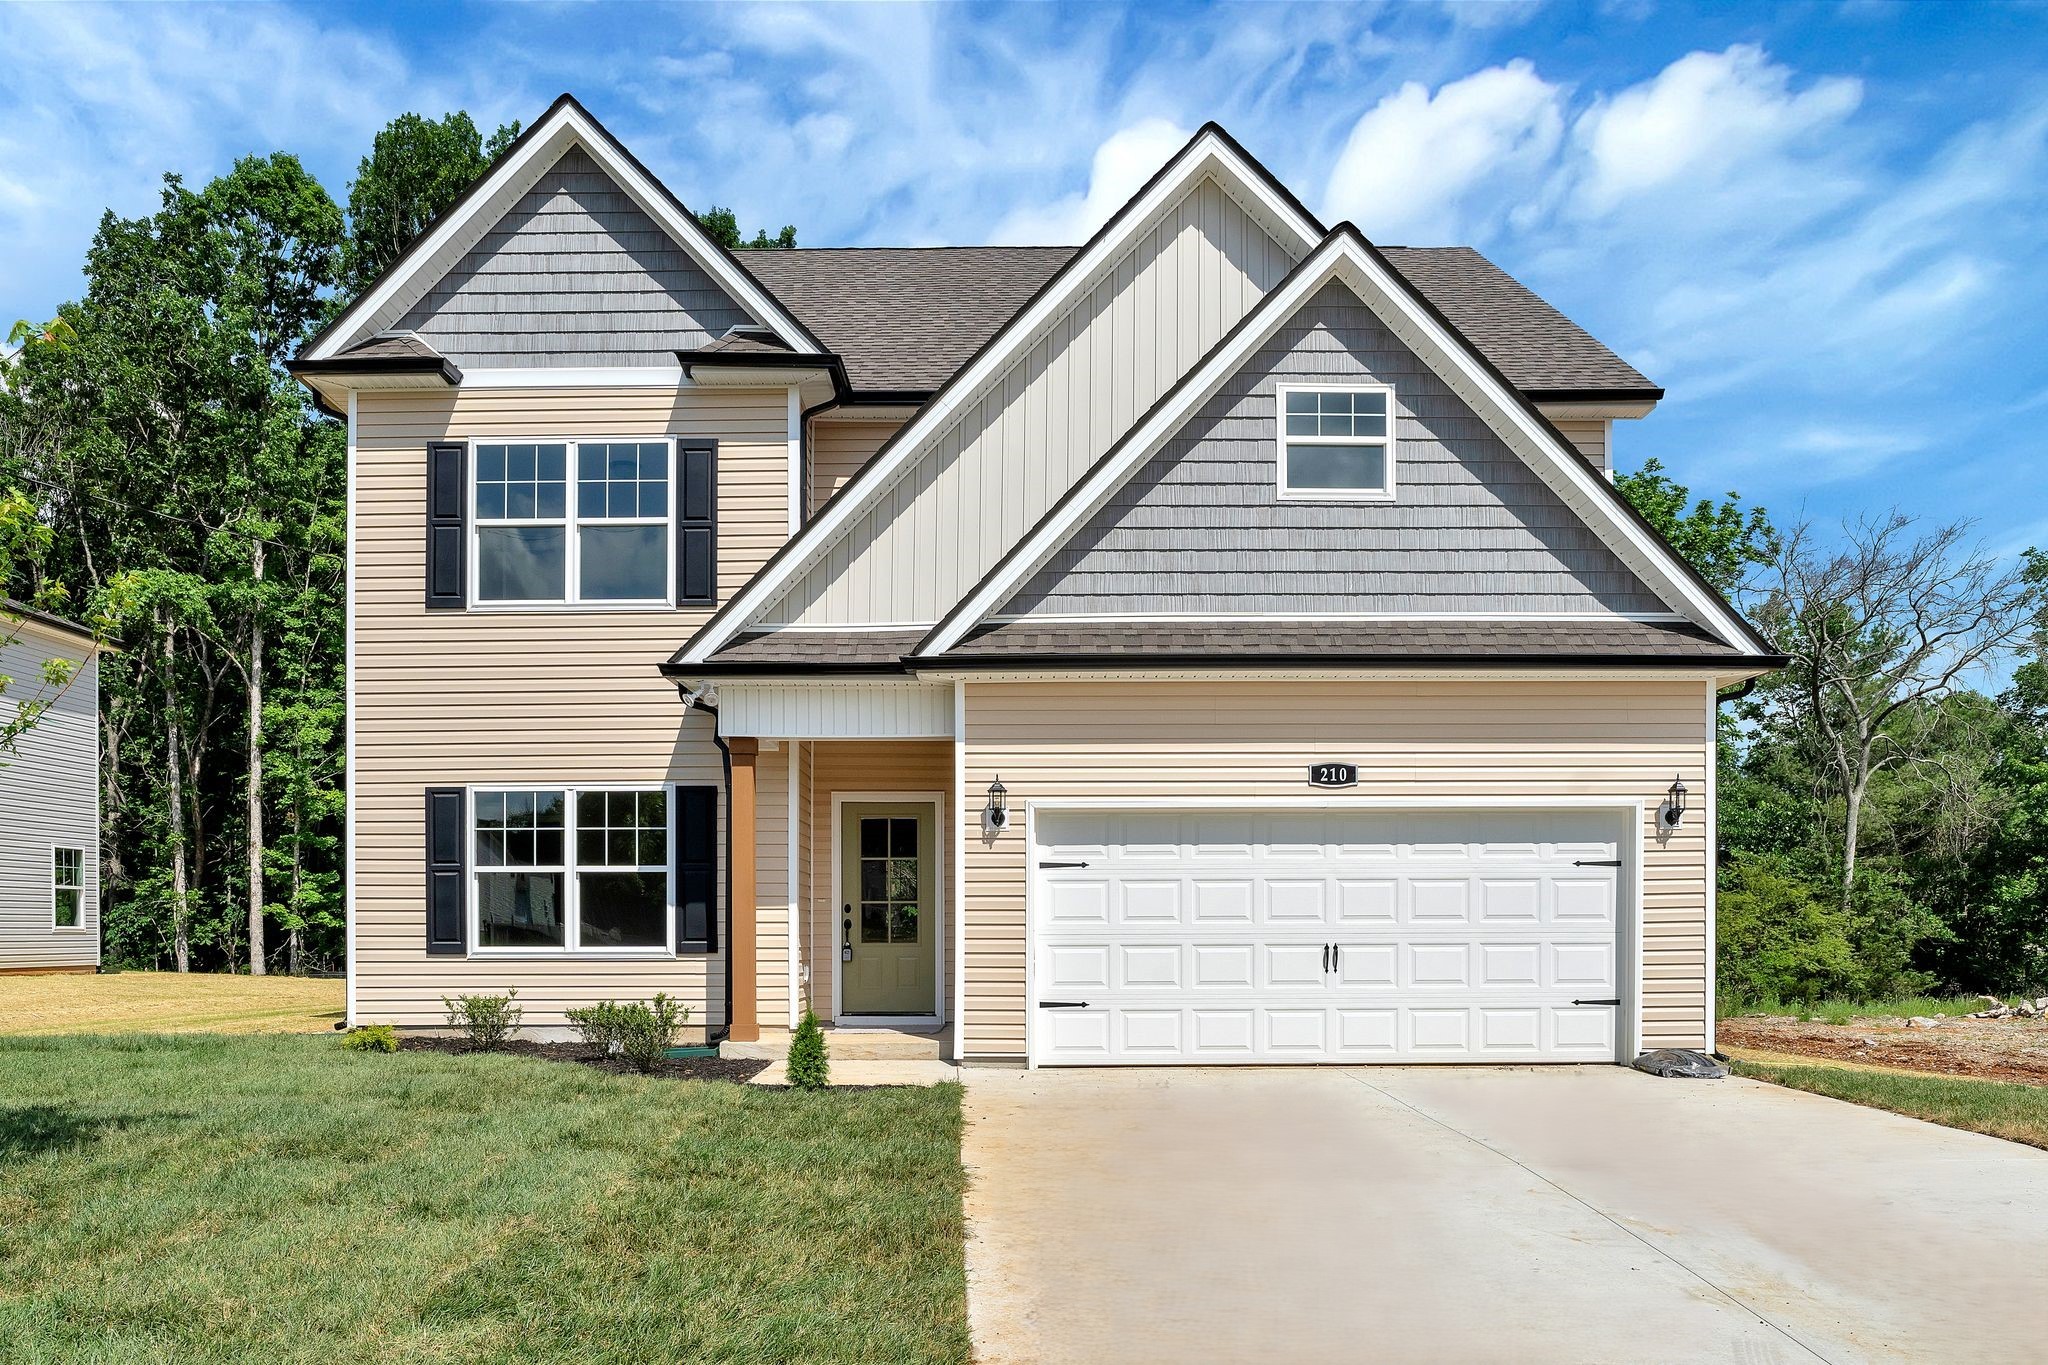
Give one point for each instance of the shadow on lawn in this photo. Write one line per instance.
(30, 1130)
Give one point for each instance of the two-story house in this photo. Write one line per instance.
(1220, 641)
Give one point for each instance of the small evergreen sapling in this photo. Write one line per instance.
(808, 1067)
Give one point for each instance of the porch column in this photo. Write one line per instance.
(740, 915)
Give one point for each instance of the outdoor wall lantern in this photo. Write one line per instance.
(1674, 804)
(995, 816)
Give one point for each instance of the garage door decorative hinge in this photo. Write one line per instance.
(1596, 1002)
(1059, 865)
(1063, 1004)
(1596, 862)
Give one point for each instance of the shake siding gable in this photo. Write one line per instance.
(464, 698)
(574, 274)
(1200, 527)
(1014, 449)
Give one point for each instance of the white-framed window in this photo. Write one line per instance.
(67, 888)
(572, 522)
(1336, 442)
(571, 870)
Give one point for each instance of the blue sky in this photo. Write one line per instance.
(1818, 226)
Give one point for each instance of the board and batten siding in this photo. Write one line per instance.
(1200, 528)
(837, 452)
(456, 698)
(1476, 740)
(49, 799)
(843, 766)
(1019, 444)
(575, 274)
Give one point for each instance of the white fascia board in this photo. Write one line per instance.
(1343, 258)
(1478, 671)
(455, 234)
(1206, 154)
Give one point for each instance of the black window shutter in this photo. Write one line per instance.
(697, 522)
(696, 836)
(447, 845)
(447, 532)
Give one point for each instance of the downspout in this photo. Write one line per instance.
(694, 699)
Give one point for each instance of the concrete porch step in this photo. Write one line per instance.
(853, 1044)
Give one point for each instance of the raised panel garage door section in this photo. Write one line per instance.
(1215, 937)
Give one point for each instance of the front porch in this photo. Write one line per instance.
(843, 847)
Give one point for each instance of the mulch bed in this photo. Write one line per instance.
(735, 1069)
(1985, 1049)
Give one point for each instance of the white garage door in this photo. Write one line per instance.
(1326, 936)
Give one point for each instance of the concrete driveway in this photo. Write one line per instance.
(1480, 1214)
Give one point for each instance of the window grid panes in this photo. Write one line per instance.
(567, 870)
(1336, 442)
(572, 521)
(67, 881)
(888, 880)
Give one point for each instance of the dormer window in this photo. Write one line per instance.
(1336, 443)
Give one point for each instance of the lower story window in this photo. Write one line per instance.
(67, 886)
(559, 869)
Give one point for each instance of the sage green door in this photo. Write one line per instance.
(888, 873)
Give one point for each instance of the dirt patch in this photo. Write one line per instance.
(1987, 1049)
(737, 1069)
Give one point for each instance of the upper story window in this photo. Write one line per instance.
(1337, 443)
(573, 521)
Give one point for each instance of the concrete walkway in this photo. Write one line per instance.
(1468, 1214)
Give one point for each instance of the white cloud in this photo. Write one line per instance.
(1701, 121)
(1416, 165)
(1120, 168)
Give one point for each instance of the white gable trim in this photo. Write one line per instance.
(1208, 153)
(564, 126)
(1343, 256)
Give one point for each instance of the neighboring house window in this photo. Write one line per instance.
(572, 521)
(563, 870)
(67, 887)
(1337, 444)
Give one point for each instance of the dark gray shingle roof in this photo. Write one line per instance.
(906, 318)
(801, 650)
(392, 346)
(1601, 638)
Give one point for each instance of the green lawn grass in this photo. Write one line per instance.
(2018, 1113)
(1847, 1011)
(206, 1198)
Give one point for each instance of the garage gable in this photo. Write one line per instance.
(1433, 346)
(1202, 528)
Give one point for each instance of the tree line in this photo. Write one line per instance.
(164, 479)
(1883, 802)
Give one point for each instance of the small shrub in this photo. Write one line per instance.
(486, 1021)
(809, 1069)
(599, 1024)
(371, 1038)
(646, 1031)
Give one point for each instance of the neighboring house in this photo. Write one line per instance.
(49, 800)
(1272, 584)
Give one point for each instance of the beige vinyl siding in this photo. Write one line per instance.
(837, 451)
(1019, 444)
(1433, 739)
(843, 766)
(452, 698)
(49, 799)
(1589, 436)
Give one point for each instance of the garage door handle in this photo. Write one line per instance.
(1596, 862)
(1596, 1002)
(1063, 1004)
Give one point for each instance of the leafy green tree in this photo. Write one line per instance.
(1726, 543)
(416, 168)
(723, 225)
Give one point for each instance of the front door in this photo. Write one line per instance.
(888, 883)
